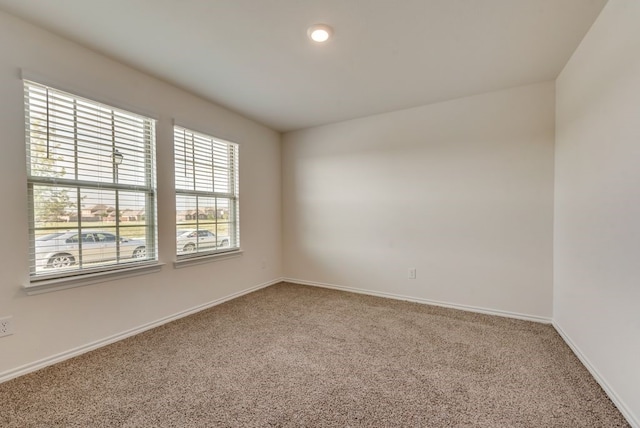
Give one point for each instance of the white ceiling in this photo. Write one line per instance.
(253, 56)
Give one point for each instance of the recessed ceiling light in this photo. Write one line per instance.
(320, 32)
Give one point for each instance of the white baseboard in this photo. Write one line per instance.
(37, 365)
(467, 308)
(619, 403)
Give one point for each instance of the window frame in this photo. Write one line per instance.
(91, 274)
(233, 150)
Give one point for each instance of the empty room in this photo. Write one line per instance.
(320, 213)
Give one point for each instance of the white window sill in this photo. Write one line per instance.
(55, 284)
(206, 258)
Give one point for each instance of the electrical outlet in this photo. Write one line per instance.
(6, 326)
(412, 273)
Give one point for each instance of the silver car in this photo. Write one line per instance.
(190, 240)
(62, 249)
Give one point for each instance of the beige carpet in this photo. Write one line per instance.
(296, 356)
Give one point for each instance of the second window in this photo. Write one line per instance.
(206, 181)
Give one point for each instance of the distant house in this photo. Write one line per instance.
(96, 213)
(190, 215)
(131, 215)
(202, 214)
(102, 211)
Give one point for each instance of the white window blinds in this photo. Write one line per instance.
(206, 180)
(91, 182)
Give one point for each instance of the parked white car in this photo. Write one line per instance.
(191, 240)
(62, 249)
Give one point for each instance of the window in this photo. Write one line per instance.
(91, 183)
(206, 179)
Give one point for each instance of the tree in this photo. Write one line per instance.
(50, 203)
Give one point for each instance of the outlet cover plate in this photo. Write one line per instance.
(6, 326)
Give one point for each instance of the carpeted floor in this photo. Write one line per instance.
(297, 356)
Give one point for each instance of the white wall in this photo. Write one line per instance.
(597, 204)
(461, 190)
(52, 323)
